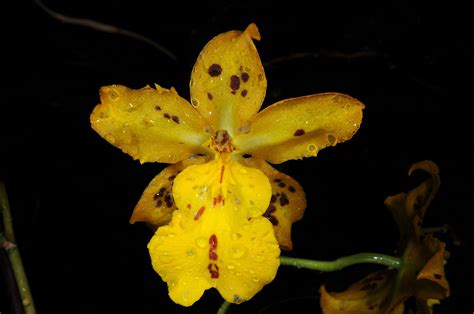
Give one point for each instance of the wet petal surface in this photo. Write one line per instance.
(151, 125)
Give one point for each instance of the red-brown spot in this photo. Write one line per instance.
(299, 132)
(282, 184)
(213, 241)
(234, 82)
(244, 76)
(188, 206)
(268, 214)
(198, 213)
(166, 115)
(222, 174)
(243, 93)
(438, 276)
(284, 199)
(215, 70)
(217, 200)
(213, 256)
(213, 270)
(273, 199)
(160, 193)
(157, 108)
(175, 119)
(292, 189)
(159, 203)
(209, 96)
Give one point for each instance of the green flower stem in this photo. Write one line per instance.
(342, 262)
(224, 307)
(8, 243)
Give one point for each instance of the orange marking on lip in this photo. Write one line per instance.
(222, 173)
(199, 213)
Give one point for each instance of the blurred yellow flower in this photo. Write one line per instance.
(222, 211)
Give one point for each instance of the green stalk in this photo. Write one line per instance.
(340, 263)
(224, 307)
(8, 243)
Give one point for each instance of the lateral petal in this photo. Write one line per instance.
(151, 125)
(300, 127)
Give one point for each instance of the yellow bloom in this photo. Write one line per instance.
(422, 274)
(222, 211)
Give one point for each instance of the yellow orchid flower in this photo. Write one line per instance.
(421, 275)
(222, 211)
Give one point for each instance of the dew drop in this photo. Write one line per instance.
(312, 149)
(236, 236)
(113, 95)
(331, 139)
(111, 139)
(236, 252)
(201, 242)
(195, 102)
(191, 253)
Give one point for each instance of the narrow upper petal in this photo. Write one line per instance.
(156, 205)
(228, 82)
(300, 127)
(287, 204)
(151, 125)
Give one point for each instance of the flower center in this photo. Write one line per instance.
(221, 142)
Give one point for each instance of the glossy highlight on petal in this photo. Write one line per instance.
(228, 83)
(151, 125)
(300, 127)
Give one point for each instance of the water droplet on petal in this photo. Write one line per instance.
(195, 102)
(331, 139)
(312, 149)
(236, 236)
(201, 242)
(113, 95)
(236, 252)
(191, 253)
(111, 139)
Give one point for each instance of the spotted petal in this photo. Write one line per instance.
(151, 125)
(222, 184)
(237, 259)
(228, 82)
(300, 127)
(156, 204)
(287, 203)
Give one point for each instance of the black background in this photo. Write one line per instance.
(72, 193)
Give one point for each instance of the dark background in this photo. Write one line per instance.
(72, 193)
